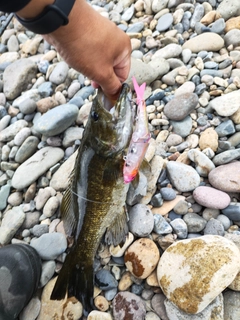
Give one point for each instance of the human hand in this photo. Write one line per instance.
(94, 46)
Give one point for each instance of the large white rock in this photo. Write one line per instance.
(193, 272)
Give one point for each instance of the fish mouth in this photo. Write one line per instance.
(118, 108)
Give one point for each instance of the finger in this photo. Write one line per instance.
(94, 84)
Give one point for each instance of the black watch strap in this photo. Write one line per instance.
(53, 16)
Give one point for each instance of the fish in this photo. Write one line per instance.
(140, 137)
(93, 206)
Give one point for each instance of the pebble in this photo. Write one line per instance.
(49, 245)
(59, 73)
(161, 226)
(48, 270)
(164, 22)
(182, 257)
(32, 310)
(214, 227)
(226, 177)
(141, 257)
(232, 211)
(195, 223)
(211, 198)
(128, 305)
(11, 222)
(105, 280)
(231, 304)
(27, 149)
(141, 220)
(35, 166)
(203, 164)
(183, 128)
(56, 120)
(180, 228)
(168, 194)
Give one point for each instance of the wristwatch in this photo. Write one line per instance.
(53, 16)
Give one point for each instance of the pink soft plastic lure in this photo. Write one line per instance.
(140, 138)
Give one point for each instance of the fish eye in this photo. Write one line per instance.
(94, 116)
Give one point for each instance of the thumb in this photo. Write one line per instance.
(111, 86)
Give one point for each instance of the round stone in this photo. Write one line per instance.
(211, 197)
(141, 257)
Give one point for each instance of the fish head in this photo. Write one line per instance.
(108, 130)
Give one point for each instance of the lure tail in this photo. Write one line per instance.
(77, 282)
(139, 90)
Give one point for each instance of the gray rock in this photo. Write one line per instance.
(203, 164)
(161, 226)
(195, 223)
(49, 245)
(56, 120)
(197, 15)
(214, 227)
(232, 211)
(181, 106)
(141, 220)
(48, 270)
(226, 128)
(17, 76)
(29, 171)
(226, 157)
(157, 303)
(27, 149)
(181, 207)
(164, 22)
(59, 73)
(136, 27)
(229, 9)
(4, 193)
(40, 229)
(182, 176)
(135, 310)
(231, 305)
(183, 127)
(105, 280)
(171, 50)
(12, 221)
(168, 194)
(180, 228)
(10, 132)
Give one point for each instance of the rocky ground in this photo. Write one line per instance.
(181, 259)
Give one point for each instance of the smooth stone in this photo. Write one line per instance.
(71, 135)
(195, 223)
(46, 89)
(227, 104)
(159, 5)
(17, 76)
(99, 315)
(58, 308)
(127, 305)
(226, 157)
(12, 44)
(181, 207)
(232, 211)
(209, 139)
(50, 207)
(50, 245)
(197, 15)
(234, 140)
(218, 26)
(213, 311)
(119, 250)
(15, 198)
(141, 220)
(214, 227)
(164, 22)
(40, 229)
(184, 104)
(11, 222)
(8, 133)
(187, 87)
(35, 166)
(42, 196)
(203, 164)
(27, 149)
(232, 38)
(168, 194)
(161, 226)
(56, 120)
(142, 257)
(136, 27)
(171, 50)
(211, 198)
(32, 309)
(183, 127)
(60, 179)
(226, 177)
(224, 221)
(229, 9)
(231, 304)
(208, 41)
(21, 136)
(179, 271)
(157, 304)
(183, 176)
(180, 228)
(59, 73)
(4, 193)
(85, 92)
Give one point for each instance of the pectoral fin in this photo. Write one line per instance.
(118, 230)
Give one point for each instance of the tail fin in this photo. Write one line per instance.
(77, 281)
(139, 90)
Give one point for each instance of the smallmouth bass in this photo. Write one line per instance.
(94, 203)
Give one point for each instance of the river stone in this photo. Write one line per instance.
(202, 163)
(226, 177)
(208, 41)
(35, 166)
(17, 76)
(183, 176)
(27, 149)
(209, 139)
(181, 106)
(231, 305)
(190, 286)
(229, 8)
(227, 104)
(214, 311)
(211, 198)
(142, 257)
(56, 120)
(59, 73)
(66, 309)
(10, 132)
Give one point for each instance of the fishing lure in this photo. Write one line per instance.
(140, 137)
